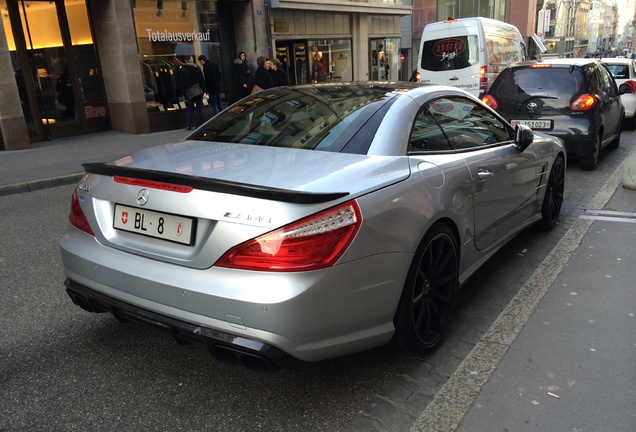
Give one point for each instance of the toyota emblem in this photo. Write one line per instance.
(142, 197)
(532, 106)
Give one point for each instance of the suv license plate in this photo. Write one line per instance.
(174, 228)
(534, 124)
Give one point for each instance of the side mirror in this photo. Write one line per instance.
(523, 137)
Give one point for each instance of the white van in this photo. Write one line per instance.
(468, 53)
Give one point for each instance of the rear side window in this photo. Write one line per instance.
(555, 87)
(450, 53)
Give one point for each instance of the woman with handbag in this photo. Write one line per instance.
(193, 85)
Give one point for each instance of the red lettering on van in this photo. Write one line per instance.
(450, 46)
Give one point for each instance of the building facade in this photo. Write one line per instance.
(70, 67)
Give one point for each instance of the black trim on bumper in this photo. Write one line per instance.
(225, 347)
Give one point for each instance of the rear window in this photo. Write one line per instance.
(324, 118)
(450, 53)
(555, 87)
(619, 71)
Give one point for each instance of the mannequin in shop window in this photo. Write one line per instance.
(384, 64)
(320, 68)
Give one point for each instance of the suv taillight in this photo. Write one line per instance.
(483, 78)
(584, 102)
(312, 243)
(490, 101)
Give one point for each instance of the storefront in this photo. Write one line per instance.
(364, 41)
(167, 33)
(72, 67)
(55, 65)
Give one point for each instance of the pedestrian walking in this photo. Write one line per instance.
(243, 75)
(193, 85)
(212, 75)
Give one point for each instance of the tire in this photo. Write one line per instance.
(616, 141)
(429, 293)
(588, 163)
(553, 198)
(630, 123)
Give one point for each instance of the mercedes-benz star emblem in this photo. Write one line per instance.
(142, 197)
(532, 106)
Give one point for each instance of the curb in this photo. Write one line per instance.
(629, 172)
(35, 185)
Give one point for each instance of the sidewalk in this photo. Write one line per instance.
(59, 162)
(561, 356)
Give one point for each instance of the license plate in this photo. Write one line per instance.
(534, 124)
(164, 226)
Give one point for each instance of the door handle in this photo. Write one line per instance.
(485, 174)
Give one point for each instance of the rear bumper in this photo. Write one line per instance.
(225, 347)
(577, 133)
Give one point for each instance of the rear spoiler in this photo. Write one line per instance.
(215, 185)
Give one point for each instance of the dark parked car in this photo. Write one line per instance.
(576, 100)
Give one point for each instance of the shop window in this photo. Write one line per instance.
(167, 33)
(330, 60)
(385, 59)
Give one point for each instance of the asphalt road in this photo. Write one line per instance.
(64, 369)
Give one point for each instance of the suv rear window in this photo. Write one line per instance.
(553, 87)
(450, 53)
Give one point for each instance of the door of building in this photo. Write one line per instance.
(293, 58)
(56, 67)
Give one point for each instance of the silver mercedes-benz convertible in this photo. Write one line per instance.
(310, 222)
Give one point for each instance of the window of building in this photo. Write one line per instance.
(167, 33)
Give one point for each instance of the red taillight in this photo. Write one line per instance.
(312, 243)
(77, 216)
(490, 101)
(483, 78)
(632, 85)
(153, 184)
(584, 102)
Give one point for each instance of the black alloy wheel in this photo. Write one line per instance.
(553, 198)
(429, 293)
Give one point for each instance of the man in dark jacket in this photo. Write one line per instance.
(262, 77)
(212, 83)
(190, 76)
(279, 75)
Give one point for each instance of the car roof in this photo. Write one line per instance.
(565, 62)
(617, 60)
